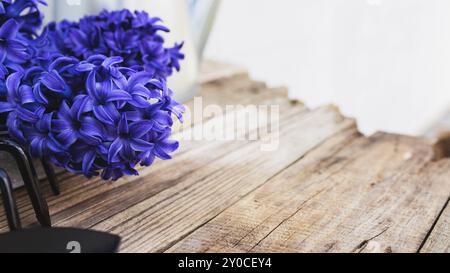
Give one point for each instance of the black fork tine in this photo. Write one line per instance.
(30, 181)
(48, 168)
(9, 203)
(51, 176)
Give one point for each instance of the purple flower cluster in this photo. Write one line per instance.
(89, 96)
(133, 36)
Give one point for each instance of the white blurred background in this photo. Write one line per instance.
(384, 62)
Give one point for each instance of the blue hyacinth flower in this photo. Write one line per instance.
(12, 49)
(129, 140)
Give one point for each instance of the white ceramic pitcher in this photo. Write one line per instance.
(189, 20)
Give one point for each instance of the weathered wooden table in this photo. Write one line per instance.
(326, 188)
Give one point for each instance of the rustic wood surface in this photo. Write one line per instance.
(326, 188)
(439, 239)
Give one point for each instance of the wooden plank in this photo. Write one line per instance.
(378, 194)
(193, 156)
(160, 221)
(78, 193)
(439, 239)
(77, 189)
(232, 226)
(74, 204)
(325, 189)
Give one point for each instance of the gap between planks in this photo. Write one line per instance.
(438, 240)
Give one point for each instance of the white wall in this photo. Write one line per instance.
(387, 63)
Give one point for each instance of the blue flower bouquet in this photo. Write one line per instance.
(89, 96)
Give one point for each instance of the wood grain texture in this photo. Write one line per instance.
(351, 194)
(79, 193)
(193, 156)
(439, 239)
(158, 222)
(326, 188)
